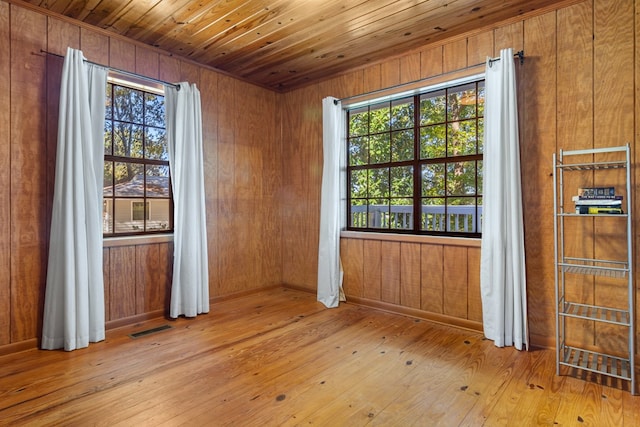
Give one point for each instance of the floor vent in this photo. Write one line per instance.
(149, 331)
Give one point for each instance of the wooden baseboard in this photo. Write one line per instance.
(18, 346)
(419, 314)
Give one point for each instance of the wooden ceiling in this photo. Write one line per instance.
(284, 44)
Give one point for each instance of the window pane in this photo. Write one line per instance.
(108, 137)
(108, 179)
(432, 142)
(107, 216)
(129, 179)
(401, 215)
(461, 138)
(157, 181)
(433, 180)
(379, 148)
(433, 214)
(461, 215)
(379, 117)
(479, 173)
(402, 113)
(461, 102)
(358, 213)
(481, 98)
(127, 140)
(379, 183)
(156, 144)
(359, 121)
(359, 183)
(402, 181)
(124, 216)
(158, 215)
(109, 103)
(358, 151)
(402, 145)
(127, 104)
(432, 108)
(138, 211)
(154, 110)
(378, 213)
(480, 135)
(461, 178)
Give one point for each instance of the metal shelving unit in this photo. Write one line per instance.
(587, 359)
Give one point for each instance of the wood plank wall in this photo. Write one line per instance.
(575, 90)
(242, 178)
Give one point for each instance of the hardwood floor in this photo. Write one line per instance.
(280, 358)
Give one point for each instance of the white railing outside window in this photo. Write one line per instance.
(434, 217)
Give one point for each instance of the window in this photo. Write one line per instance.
(137, 196)
(414, 164)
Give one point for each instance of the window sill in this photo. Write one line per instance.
(413, 238)
(114, 242)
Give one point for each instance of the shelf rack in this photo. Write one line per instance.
(587, 359)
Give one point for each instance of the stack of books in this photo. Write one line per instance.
(598, 200)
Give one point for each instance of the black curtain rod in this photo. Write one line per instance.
(127, 73)
(519, 54)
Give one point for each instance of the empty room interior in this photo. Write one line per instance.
(388, 213)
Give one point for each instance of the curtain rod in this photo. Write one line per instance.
(519, 54)
(116, 70)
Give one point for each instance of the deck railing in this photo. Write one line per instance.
(434, 217)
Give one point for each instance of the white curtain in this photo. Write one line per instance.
(74, 296)
(190, 287)
(330, 272)
(502, 276)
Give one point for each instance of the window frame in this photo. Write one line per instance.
(145, 87)
(417, 163)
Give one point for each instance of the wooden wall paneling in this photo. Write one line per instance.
(208, 95)
(479, 47)
(390, 72)
(372, 270)
(352, 255)
(248, 166)
(225, 182)
(122, 290)
(151, 278)
(166, 268)
(410, 271)
(474, 296)
(106, 278)
(455, 281)
(372, 78)
(510, 36)
(574, 35)
(5, 175)
(169, 68)
(432, 278)
(28, 171)
(270, 145)
(122, 55)
(613, 125)
(147, 62)
(454, 55)
(537, 143)
(410, 68)
(95, 46)
(342, 86)
(302, 170)
(431, 62)
(390, 262)
(189, 72)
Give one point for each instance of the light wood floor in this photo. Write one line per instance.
(279, 358)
